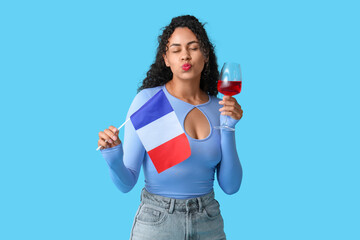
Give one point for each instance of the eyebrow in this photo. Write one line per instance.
(177, 44)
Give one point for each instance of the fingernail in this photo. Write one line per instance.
(221, 102)
(114, 138)
(110, 141)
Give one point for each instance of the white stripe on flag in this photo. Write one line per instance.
(160, 131)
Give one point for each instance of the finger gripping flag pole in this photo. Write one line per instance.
(118, 129)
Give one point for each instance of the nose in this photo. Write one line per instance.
(185, 55)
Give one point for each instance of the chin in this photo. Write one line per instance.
(189, 77)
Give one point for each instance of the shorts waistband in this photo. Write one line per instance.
(182, 205)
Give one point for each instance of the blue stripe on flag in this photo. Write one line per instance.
(154, 108)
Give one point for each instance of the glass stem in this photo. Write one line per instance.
(226, 118)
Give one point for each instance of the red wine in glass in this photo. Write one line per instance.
(229, 84)
(229, 88)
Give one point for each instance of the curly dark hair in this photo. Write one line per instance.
(159, 73)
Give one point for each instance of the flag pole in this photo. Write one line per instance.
(118, 129)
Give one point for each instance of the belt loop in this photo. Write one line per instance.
(172, 205)
(200, 204)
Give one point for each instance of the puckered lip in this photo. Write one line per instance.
(186, 66)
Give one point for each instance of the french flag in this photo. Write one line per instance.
(161, 133)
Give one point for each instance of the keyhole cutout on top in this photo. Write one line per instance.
(196, 124)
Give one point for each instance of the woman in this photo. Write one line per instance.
(179, 203)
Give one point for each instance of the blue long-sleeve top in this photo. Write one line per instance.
(191, 178)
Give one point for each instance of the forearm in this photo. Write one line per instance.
(229, 172)
(124, 178)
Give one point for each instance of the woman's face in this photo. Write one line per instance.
(183, 55)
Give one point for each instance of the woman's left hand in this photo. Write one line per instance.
(231, 108)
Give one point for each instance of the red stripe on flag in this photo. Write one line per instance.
(170, 153)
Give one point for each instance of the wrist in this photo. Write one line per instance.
(228, 120)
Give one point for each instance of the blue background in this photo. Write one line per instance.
(69, 69)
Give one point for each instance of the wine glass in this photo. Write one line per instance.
(229, 84)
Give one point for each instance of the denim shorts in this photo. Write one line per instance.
(159, 218)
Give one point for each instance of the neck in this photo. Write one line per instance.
(187, 91)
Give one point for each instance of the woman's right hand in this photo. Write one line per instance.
(111, 136)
